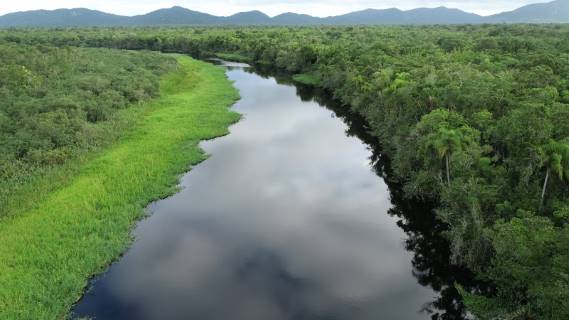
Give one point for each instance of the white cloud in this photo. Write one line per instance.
(271, 7)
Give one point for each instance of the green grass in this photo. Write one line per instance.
(306, 78)
(235, 57)
(49, 251)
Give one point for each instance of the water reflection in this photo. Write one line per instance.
(286, 220)
(431, 251)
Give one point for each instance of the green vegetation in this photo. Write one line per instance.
(236, 57)
(473, 118)
(50, 249)
(60, 104)
(308, 79)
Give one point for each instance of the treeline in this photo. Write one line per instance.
(475, 118)
(56, 103)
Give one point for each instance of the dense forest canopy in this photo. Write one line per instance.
(473, 117)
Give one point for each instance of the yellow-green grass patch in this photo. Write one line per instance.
(48, 253)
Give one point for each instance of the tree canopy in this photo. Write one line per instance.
(473, 117)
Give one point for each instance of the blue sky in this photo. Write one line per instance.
(271, 7)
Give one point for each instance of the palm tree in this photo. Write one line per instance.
(556, 161)
(445, 142)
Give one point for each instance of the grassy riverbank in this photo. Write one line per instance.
(49, 252)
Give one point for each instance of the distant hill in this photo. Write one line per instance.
(439, 15)
(292, 19)
(61, 17)
(552, 12)
(248, 18)
(172, 16)
(442, 15)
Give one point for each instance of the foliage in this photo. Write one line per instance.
(474, 118)
(56, 103)
(307, 79)
(556, 162)
(50, 251)
(532, 264)
(236, 57)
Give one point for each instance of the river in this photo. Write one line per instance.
(291, 217)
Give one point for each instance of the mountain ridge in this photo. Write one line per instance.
(551, 12)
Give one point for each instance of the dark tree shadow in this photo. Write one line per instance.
(431, 252)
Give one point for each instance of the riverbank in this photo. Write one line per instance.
(49, 252)
(264, 248)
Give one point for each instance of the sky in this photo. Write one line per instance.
(319, 8)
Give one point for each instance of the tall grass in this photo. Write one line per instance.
(50, 249)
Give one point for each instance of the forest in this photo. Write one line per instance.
(57, 104)
(474, 118)
(90, 137)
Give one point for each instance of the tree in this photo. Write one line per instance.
(556, 161)
(529, 271)
(446, 132)
(444, 142)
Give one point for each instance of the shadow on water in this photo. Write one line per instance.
(431, 252)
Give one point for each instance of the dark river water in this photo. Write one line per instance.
(290, 218)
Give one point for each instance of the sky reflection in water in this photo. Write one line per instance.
(286, 220)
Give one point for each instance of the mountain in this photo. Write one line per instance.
(439, 15)
(373, 16)
(248, 18)
(172, 16)
(442, 15)
(61, 17)
(295, 19)
(552, 12)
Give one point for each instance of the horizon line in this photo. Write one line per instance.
(270, 16)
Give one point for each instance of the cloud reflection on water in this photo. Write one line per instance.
(286, 220)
